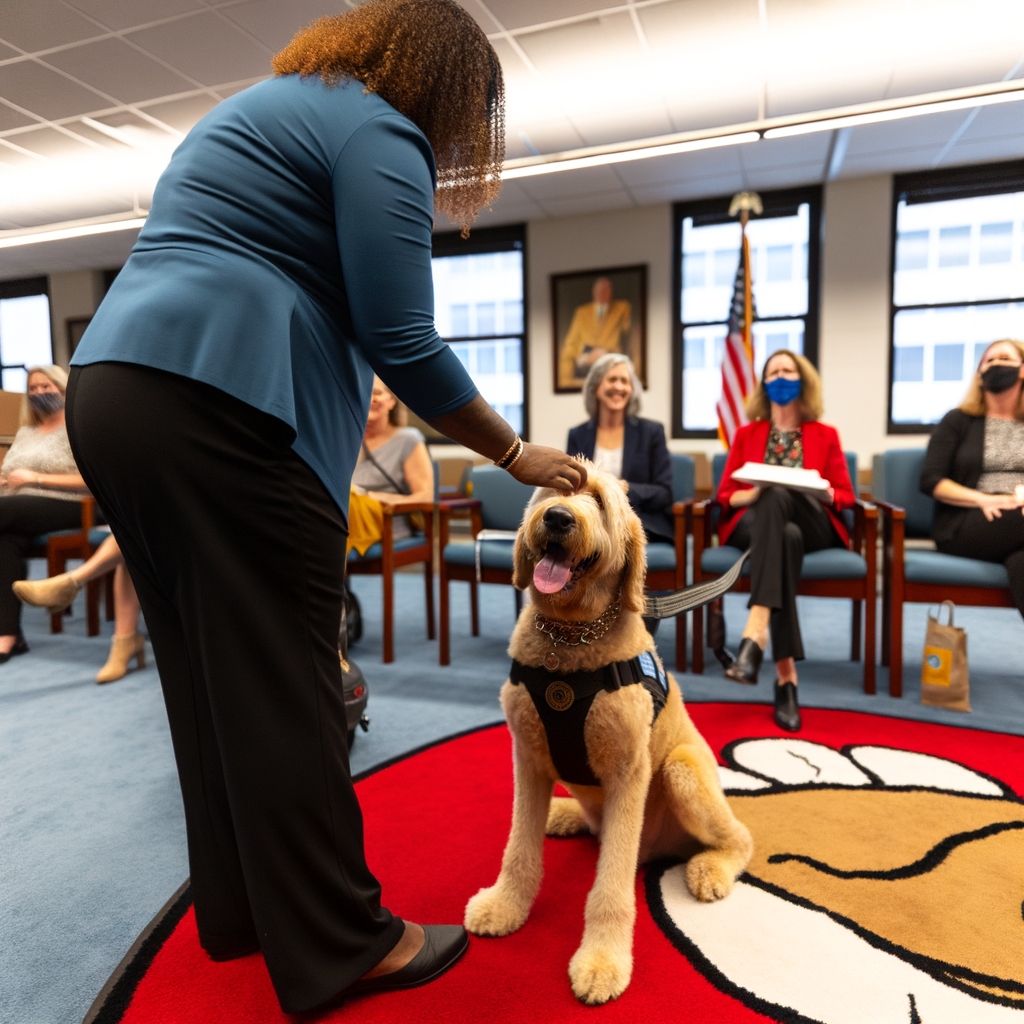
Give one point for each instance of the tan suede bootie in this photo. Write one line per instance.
(55, 593)
(122, 650)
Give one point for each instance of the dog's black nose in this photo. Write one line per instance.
(559, 518)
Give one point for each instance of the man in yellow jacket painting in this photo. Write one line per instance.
(597, 328)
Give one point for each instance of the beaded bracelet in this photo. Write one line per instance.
(509, 459)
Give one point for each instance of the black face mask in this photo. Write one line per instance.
(46, 403)
(997, 379)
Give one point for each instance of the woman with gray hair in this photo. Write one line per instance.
(41, 490)
(625, 445)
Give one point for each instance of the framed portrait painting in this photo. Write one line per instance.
(596, 312)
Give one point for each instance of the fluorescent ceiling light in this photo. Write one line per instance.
(553, 164)
(56, 233)
(894, 114)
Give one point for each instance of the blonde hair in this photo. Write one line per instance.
(599, 371)
(759, 407)
(29, 416)
(974, 401)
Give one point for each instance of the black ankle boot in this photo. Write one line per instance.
(748, 662)
(787, 711)
(716, 634)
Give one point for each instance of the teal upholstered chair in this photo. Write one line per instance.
(917, 575)
(387, 555)
(496, 508)
(835, 572)
(666, 563)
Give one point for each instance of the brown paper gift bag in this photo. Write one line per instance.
(944, 680)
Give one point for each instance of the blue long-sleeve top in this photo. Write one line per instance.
(285, 259)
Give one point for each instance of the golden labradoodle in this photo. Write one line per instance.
(645, 782)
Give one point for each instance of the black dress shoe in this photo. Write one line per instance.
(716, 633)
(748, 662)
(20, 647)
(725, 657)
(787, 711)
(443, 944)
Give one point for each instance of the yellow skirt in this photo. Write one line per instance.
(365, 522)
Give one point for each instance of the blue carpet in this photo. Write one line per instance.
(91, 817)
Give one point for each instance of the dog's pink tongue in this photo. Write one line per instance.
(551, 573)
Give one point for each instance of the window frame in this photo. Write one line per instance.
(21, 288)
(506, 238)
(939, 186)
(716, 210)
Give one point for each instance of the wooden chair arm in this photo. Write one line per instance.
(403, 508)
(679, 508)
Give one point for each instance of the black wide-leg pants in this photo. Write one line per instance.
(238, 553)
(780, 528)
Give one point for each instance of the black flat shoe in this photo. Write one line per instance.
(748, 662)
(443, 944)
(716, 634)
(20, 647)
(725, 657)
(787, 711)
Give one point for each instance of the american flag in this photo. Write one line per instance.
(738, 359)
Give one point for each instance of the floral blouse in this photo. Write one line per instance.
(785, 448)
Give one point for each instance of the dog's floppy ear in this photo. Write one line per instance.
(634, 574)
(522, 565)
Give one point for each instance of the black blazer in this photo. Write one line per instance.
(645, 464)
(956, 452)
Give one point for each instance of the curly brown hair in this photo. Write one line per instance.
(760, 408)
(432, 62)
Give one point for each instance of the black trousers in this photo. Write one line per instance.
(22, 517)
(1002, 540)
(780, 528)
(238, 553)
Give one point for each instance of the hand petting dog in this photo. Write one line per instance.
(582, 557)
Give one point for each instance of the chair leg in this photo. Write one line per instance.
(896, 645)
(855, 633)
(428, 579)
(886, 615)
(444, 626)
(474, 607)
(92, 608)
(681, 642)
(870, 612)
(698, 641)
(389, 616)
(57, 623)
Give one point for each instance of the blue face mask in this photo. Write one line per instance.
(782, 391)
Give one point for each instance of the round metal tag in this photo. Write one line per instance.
(551, 662)
(559, 696)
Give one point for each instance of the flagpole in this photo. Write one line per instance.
(748, 295)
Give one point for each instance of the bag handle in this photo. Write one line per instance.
(951, 607)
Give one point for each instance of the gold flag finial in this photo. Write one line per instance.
(744, 203)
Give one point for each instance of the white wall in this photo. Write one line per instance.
(73, 293)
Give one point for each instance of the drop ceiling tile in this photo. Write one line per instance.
(566, 183)
(706, 163)
(108, 250)
(7, 52)
(41, 24)
(10, 118)
(520, 13)
(274, 22)
(957, 69)
(122, 14)
(206, 49)
(889, 161)
(512, 64)
(690, 188)
(570, 206)
(784, 177)
(800, 149)
(12, 157)
(978, 151)
(798, 94)
(703, 109)
(1005, 119)
(52, 144)
(114, 67)
(910, 133)
(623, 125)
(181, 114)
(547, 136)
(46, 93)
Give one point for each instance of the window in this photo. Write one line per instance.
(479, 292)
(784, 255)
(957, 285)
(25, 338)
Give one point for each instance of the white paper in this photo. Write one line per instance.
(809, 481)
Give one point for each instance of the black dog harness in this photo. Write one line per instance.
(563, 701)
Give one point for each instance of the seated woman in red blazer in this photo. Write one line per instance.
(780, 525)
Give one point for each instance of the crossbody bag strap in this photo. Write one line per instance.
(399, 488)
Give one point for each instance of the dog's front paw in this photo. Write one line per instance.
(492, 913)
(598, 975)
(709, 876)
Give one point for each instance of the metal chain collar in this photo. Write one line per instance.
(572, 634)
